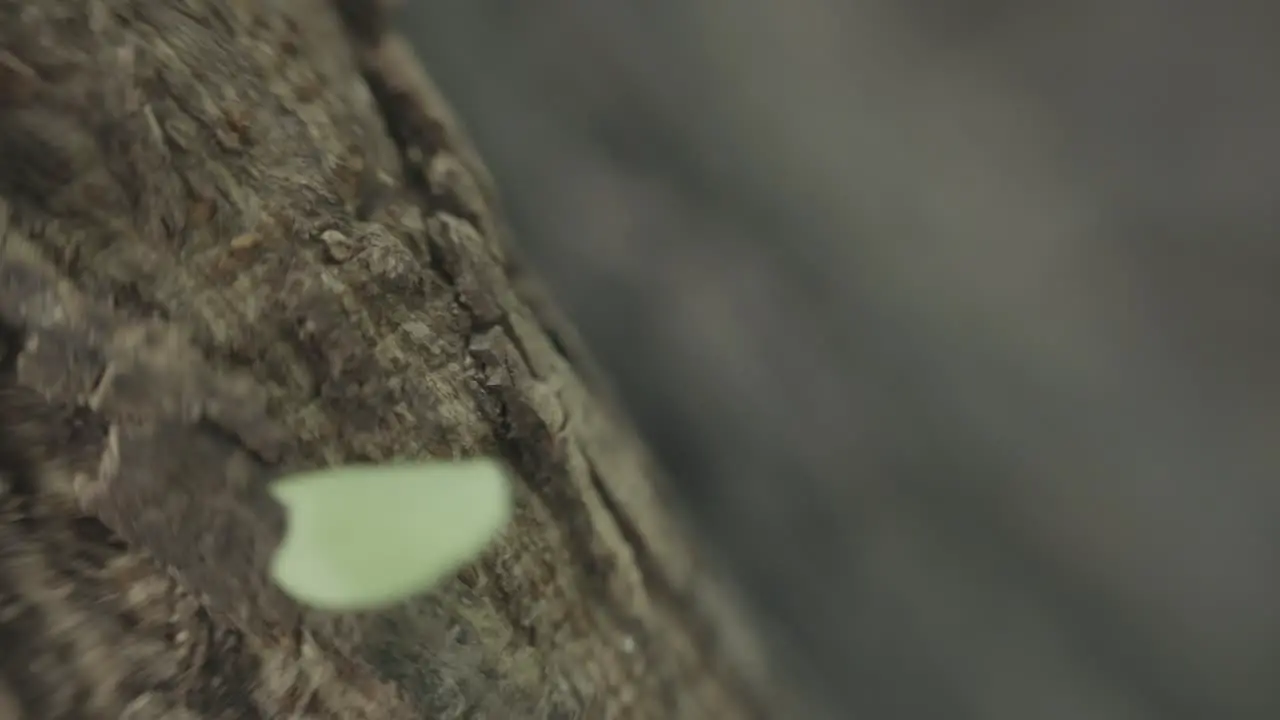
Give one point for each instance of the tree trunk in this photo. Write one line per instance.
(239, 239)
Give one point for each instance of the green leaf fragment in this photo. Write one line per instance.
(362, 538)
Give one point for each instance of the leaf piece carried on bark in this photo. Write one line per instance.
(367, 537)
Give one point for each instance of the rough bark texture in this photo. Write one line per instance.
(242, 238)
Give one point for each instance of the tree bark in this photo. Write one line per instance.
(240, 239)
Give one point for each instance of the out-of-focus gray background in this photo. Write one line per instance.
(954, 321)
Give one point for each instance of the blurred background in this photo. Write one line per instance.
(953, 321)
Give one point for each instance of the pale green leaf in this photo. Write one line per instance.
(366, 537)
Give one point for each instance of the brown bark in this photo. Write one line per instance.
(239, 239)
